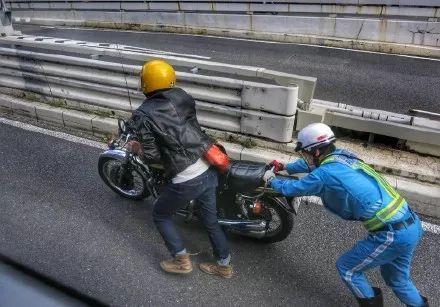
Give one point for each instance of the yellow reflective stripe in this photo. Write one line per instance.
(386, 213)
(370, 171)
(327, 160)
(382, 213)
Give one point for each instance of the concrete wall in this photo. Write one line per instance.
(342, 23)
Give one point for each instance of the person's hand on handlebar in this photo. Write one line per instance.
(278, 166)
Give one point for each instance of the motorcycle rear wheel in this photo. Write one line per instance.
(108, 171)
(281, 222)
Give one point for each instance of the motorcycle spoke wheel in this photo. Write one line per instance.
(136, 189)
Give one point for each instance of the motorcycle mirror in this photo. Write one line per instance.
(121, 126)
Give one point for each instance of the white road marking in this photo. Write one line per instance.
(249, 40)
(433, 228)
(60, 135)
(130, 31)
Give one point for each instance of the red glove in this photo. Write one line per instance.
(277, 165)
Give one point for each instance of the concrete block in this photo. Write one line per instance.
(102, 125)
(274, 127)
(338, 9)
(372, 30)
(169, 6)
(233, 150)
(348, 27)
(134, 6)
(424, 148)
(39, 5)
(403, 32)
(60, 5)
(222, 21)
(305, 8)
(427, 123)
(424, 198)
(409, 11)
(98, 16)
(263, 155)
(231, 7)
(76, 5)
(401, 131)
(136, 18)
(77, 119)
(304, 118)
(379, 2)
(45, 15)
(24, 108)
(431, 3)
(432, 39)
(269, 7)
(277, 99)
(293, 24)
(47, 113)
(195, 6)
(162, 18)
(343, 2)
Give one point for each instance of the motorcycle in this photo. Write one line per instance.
(245, 206)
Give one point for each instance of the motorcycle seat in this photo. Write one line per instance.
(245, 175)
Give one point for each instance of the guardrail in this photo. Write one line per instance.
(242, 106)
(229, 103)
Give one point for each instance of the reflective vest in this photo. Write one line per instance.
(386, 213)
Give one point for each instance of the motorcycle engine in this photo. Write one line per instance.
(249, 205)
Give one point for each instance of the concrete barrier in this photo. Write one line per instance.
(385, 26)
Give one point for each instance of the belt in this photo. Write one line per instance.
(397, 225)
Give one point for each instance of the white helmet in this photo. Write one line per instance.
(314, 136)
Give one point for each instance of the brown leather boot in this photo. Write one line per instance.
(216, 269)
(181, 264)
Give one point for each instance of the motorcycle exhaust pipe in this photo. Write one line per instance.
(249, 228)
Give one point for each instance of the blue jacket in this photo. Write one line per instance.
(345, 190)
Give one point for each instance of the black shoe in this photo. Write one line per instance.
(375, 301)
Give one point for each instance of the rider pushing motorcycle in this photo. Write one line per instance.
(167, 127)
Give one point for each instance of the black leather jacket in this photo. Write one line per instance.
(168, 129)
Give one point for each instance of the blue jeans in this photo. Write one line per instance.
(202, 189)
(393, 252)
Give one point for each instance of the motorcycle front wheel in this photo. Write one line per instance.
(129, 183)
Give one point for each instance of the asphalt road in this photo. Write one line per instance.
(58, 218)
(369, 80)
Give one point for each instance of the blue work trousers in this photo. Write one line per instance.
(201, 189)
(393, 252)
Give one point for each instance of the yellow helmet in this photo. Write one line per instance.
(156, 75)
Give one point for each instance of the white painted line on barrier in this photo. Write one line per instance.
(248, 40)
(433, 228)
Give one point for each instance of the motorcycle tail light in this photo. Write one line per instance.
(257, 207)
